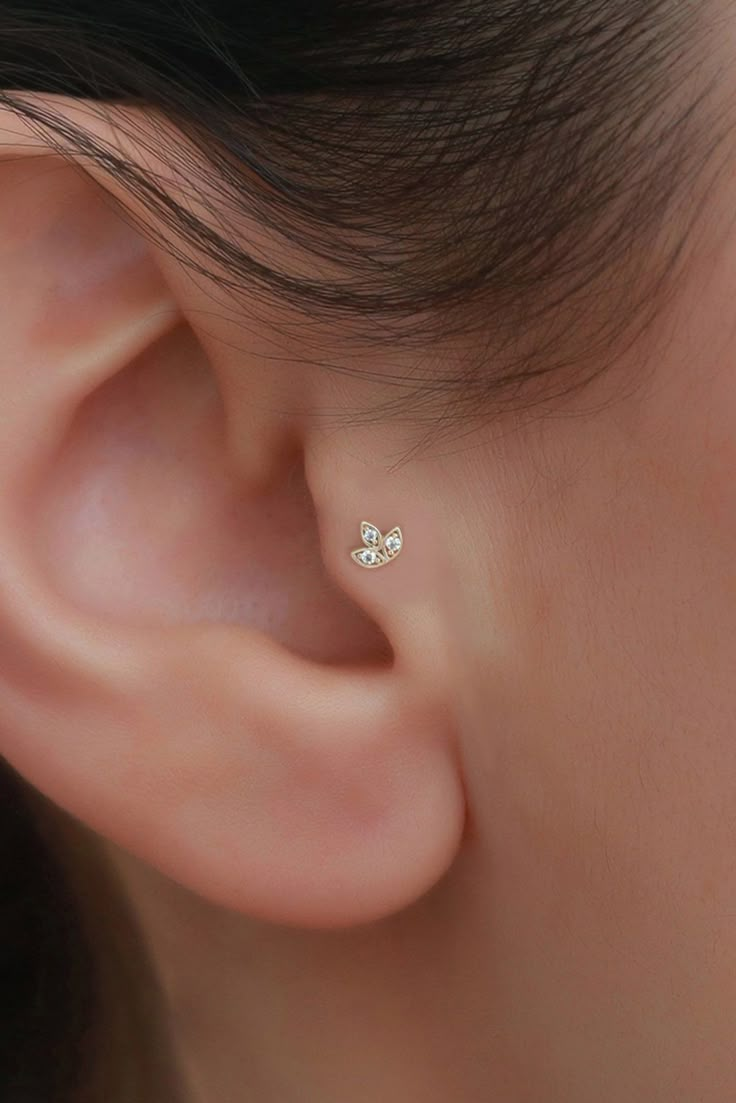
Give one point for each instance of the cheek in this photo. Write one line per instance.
(640, 596)
(614, 778)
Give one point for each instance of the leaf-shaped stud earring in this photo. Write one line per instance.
(377, 550)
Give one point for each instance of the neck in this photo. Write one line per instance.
(277, 1014)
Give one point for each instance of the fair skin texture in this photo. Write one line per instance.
(498, 867)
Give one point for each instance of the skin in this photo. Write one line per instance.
(499, 865)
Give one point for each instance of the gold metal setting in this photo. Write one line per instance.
(377, 550)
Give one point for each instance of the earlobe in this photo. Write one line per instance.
(154, 680)
(315, 796)
(303, 795)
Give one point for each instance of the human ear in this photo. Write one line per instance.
(185, 666)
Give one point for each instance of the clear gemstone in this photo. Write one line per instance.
(371, 535)
(370, 558)
(393, 544)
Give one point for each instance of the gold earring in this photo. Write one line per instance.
(378, 549)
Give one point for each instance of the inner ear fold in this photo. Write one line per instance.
(141, 515)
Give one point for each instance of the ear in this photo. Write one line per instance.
(190, 661)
